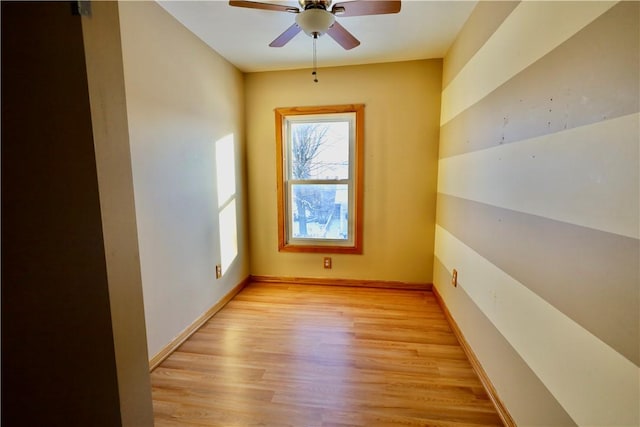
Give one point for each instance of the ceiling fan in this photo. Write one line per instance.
(317, 17)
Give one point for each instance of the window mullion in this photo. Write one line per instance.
(318, 181)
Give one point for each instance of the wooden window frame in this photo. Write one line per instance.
(357, 171)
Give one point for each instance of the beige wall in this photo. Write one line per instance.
(181, 98)
(103, 53)
(538, 206)
(402, 102)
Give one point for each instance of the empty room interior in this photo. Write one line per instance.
(151, 214)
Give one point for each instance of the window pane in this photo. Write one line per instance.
(319, 150)
(320, 211)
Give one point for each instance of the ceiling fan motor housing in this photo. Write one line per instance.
(315, 4)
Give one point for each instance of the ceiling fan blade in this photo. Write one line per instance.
(284, 38)
(366, 7)
(342, 36)
(263, 6)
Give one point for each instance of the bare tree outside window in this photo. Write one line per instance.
(308, 138)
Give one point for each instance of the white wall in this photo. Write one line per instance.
(182, 97)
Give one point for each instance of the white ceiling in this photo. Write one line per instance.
(422, 29)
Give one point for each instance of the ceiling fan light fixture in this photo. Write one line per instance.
(315, 21)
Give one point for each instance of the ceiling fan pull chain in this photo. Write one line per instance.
(314, 73)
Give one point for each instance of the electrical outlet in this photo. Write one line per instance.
(454, 278)
(326, 262)
(218, 271)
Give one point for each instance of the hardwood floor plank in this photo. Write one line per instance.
(322, 356)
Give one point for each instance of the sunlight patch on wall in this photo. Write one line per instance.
(225, 169)
(227, 215)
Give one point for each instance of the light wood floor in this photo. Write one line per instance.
(321, 356)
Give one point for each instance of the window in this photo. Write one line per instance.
(320, 178)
